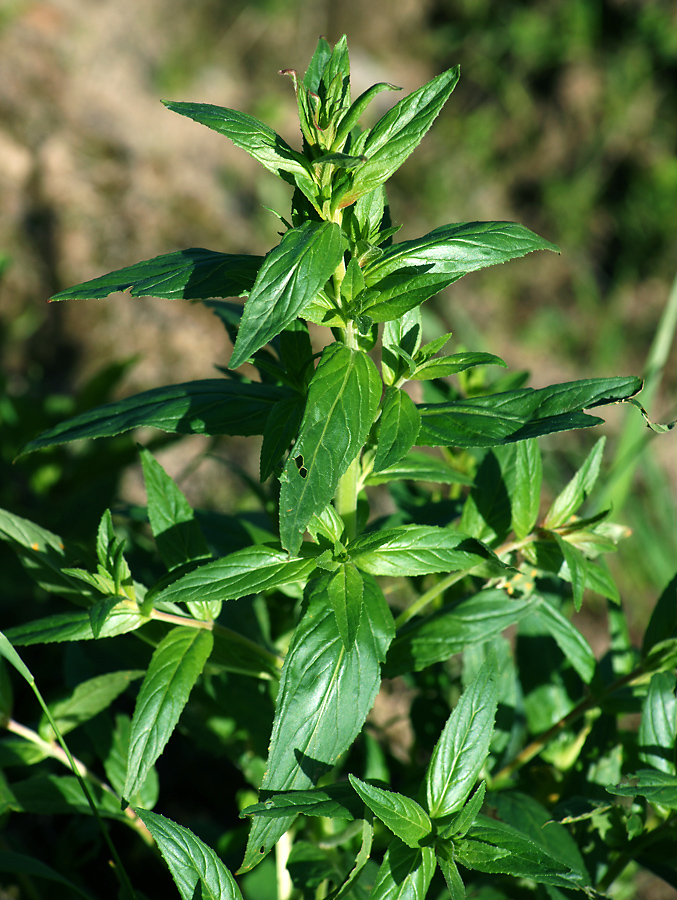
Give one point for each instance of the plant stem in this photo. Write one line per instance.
(591, 702)
(54, 751)
(348, 486)
(430, 595)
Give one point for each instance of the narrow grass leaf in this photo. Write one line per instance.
(289, 278)
(325, 694)
(191, 862)
(213, 406)
(342, 403)
(403, 816)
(194, 274)
(174, 668)
(463, 746)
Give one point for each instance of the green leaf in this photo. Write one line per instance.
(410, 272)
(577, 566)
(463, 746)
(177, 534)
(194, 274)
(420, 467)
(521, 414)
(405, 873)
(86, 700)
(45, 556)
(525, 488)
(259, 140)
(174, 668)
(345, 591)
(404, 817)
(569, 639)
(77, 626)
(452, 877)
(397, 430)
(281, 429)
(417, 550)
(8, 652)
(658, 727)
(657, 787)
(113, 748)
(247, 571)
(342, 403)
(464, 818)
(290, 277)
(191, 862)
(578, 489)
(21, 864)
(494, 847)
(352, 116)
(48, 795)
(402, 335)
(397, 134)
(443, 366)
(663, 622)
(450, 630)
(325, 694)
(335, 801)
(212, 406)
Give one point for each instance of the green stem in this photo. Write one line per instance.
(591, 702)
(418, 605)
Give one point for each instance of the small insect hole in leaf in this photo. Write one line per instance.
(303, 472)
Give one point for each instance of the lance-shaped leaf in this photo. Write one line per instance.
(77, 626)
(46, 558)
(174, 668)
(85, 701)
(398, 429)
(259, 140)
(495, 847)
(193, 865)
(420, 467)
(212, 406)
(578, 489)
(22, 864)
(405, 873)
(397, 134)
(450, 630)
(517, 415)
(247, 571)
(443, 366)
(657, 787)
(48, 795)
(342, 403)
(335, 801)
(658, 728)
(525, 488)
(404, 817)
(325, 694)
(569, 639)
(410, 272)
(459, 754)
(194, 274)
(663, 622)
(281, 429)
(345, 591)
(290, 277)
(417, 550)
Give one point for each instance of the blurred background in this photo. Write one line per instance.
(565, 119)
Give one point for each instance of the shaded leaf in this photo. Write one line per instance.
(194, 274)
(397, 430)
(86, 700)
(517, 415)
(658, 727)
(77, 626)
(21, 864)
(405, 873)
(335, 801)
(420, 467)
(569, 639)
(657, 787)
(213, 406)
